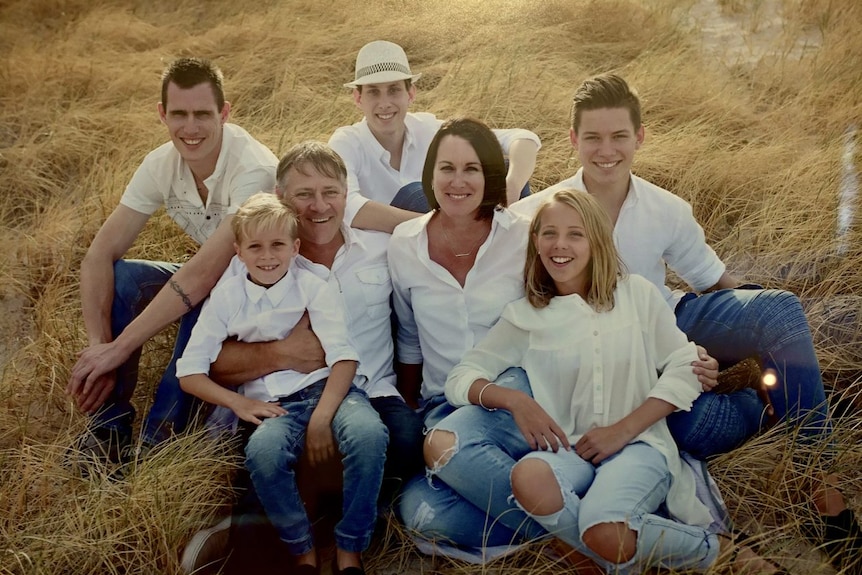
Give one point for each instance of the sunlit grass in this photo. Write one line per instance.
(754, 144)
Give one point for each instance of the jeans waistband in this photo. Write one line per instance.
(315, 389)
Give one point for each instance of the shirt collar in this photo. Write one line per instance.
(274, 293)
(631, 196)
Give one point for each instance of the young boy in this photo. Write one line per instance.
(288, 411)
(385, 152)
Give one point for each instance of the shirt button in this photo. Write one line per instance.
(596, 332)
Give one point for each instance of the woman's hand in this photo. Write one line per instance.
(706, 369)
(540, 431)
(599, 443)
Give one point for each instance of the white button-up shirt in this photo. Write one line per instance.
(238, 307)
(438, 320)
(244, 167)
(654, 228)
(360, 276)
(589, 368)
(369, 173)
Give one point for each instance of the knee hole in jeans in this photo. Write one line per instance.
(535, 487)
(439, 447)
(614, 542)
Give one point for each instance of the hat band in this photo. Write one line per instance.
(382, 67)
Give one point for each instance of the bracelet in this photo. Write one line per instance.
(481, 391)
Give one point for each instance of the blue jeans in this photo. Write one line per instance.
(451, 502)
(733, 325)
(274, 449)
(136, 283)
(412, 197)
(404, 453)
(628, 487)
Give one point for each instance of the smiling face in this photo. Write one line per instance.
(194, 123)
(267, 254)
(385, 106)
(606, 141)
(319, 201)
(459, 180)
(564, 249)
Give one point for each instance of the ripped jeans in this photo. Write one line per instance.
(468, 500)
(628, 487)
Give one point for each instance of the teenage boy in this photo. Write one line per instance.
(385, 152)
(288, 412)
(653, 228)
(201, 176)
(312, 179)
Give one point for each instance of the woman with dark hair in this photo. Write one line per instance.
(453, 271)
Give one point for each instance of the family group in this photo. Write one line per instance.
(541, 380)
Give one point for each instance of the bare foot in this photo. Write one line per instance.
(827, 499)
(583, 565)
(743, 560)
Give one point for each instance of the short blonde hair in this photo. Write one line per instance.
(262, 212)
(605, 267)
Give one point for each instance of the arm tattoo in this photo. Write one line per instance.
(186, 300)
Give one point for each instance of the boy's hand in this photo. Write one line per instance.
(318, 439)
(254, 410)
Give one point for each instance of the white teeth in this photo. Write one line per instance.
(267, 268)
(386, 116)
(459, 196)
(606, 164)
(319, 220)
(560, 260)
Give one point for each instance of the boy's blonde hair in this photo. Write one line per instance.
(604, 268)
(262, 212)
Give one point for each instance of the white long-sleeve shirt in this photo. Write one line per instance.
(589, 368)
(654, 228)
(238, 307)
(438, 319)
(369, 173)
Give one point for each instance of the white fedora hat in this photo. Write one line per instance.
(380, 62)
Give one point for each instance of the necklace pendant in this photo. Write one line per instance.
(462, 255)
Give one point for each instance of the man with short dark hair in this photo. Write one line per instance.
(200, 177)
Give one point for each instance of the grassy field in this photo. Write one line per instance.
(761, 145)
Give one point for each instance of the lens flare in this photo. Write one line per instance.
(769, 378)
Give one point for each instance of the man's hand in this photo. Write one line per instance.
(255, 411)
(599, 443)
(98, 393)
(319, 440)
(302, 348)
(87, 382)
(540, 431)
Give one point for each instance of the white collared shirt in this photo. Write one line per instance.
(438, 320)
(654, 228)
(369, 173)
(360, 276)
(244, 167)
(238, 307)
(589, 369)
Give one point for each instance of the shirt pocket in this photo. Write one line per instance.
(376, 286)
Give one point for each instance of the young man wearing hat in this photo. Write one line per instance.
(385, 152)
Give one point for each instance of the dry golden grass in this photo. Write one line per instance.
(755, 146)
